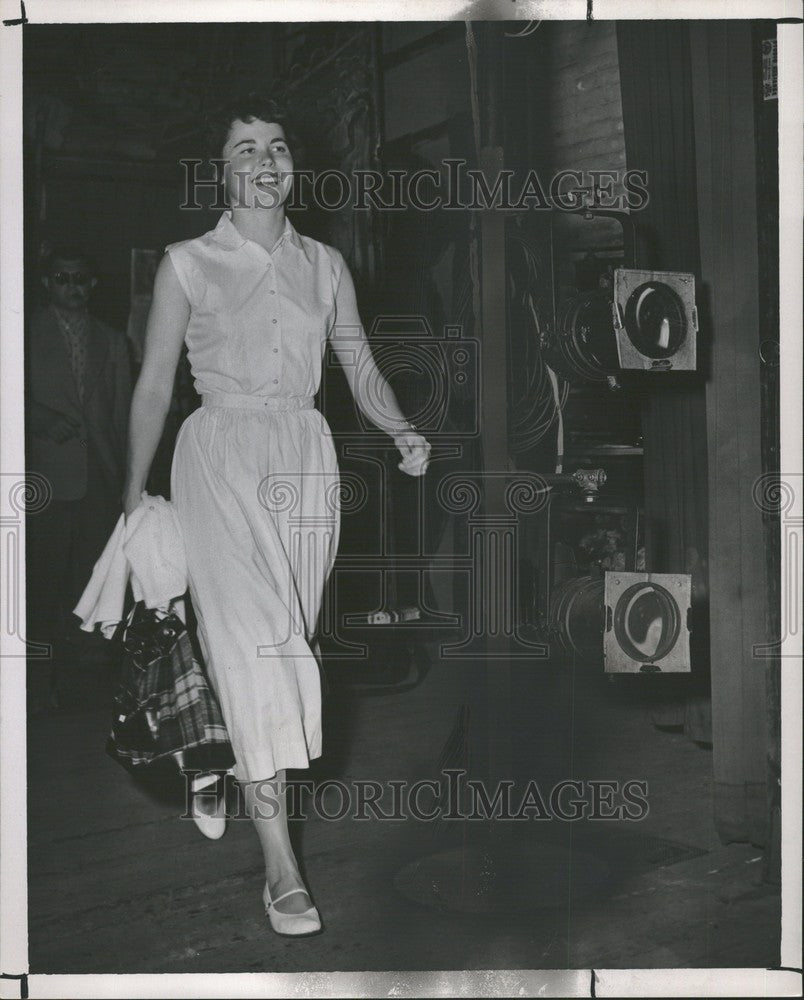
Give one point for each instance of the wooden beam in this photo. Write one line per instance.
(498, 519)
(724, 152)
(436, 39)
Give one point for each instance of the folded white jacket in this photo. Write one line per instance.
(150, 549)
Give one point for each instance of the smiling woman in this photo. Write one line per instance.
(251, 110)
(259, 166)
(255, 303)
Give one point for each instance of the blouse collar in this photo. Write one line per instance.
(229, 236)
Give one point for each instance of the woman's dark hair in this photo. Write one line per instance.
(244, 108)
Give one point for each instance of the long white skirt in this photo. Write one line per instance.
(256, 494)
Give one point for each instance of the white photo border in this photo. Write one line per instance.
(13, 838)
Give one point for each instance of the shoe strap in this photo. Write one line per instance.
(273, 902)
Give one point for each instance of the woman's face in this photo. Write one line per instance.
(259, 168)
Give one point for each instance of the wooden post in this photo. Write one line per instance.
(497, 517)
(724, 150)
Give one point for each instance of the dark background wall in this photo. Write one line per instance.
(108, 112)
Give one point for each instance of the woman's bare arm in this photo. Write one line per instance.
(372, 393)
(164, 335)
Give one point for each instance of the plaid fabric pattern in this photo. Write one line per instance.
(164, 705)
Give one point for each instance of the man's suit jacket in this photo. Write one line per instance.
(101, 420)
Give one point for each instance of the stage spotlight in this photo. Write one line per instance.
(655, 320)
(584, 346)
(647, 623)
(577, 617)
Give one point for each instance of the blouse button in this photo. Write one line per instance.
(273, 292)
(276, 381)
(274, 321)
(276, 350)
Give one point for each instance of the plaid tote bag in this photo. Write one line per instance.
(164, 706)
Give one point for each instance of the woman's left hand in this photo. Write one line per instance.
(415, 452)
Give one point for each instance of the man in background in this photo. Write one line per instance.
(78, 394)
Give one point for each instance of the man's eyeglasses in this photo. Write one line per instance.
(71, 278)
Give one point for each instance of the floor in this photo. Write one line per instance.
(117, 882)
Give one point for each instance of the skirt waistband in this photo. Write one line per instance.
(243, 401)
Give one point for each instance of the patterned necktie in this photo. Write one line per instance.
(75, 336)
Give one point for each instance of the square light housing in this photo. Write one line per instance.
(647, 623)
(655, 320)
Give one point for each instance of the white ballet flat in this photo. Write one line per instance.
(291, 924)
(212, 825)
